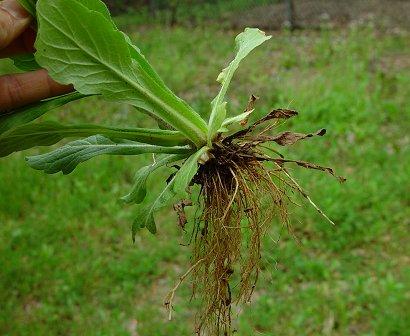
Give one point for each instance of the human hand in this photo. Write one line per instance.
(17, 38)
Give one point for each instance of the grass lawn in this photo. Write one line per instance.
(67, 262)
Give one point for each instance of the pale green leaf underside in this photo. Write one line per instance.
(67, 157)
(98, 61)
(139, 188)
(245, 43)
(50, 132)
(96, 5)
(143, 63)
(29, 113)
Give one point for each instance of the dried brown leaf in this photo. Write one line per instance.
(251, 103)
(310, 166)
(275, 114)
(180, 210)
(285, 138)
(283, 113)
(249, 107)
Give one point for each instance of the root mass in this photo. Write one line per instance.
(227, 237)
(239, 196)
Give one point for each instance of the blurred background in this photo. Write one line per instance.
(67, 262)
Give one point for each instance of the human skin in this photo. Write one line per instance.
(17, 38)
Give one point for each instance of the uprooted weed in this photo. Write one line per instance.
(234, 187)
(235, 184)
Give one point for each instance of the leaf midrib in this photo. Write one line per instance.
(125, 78)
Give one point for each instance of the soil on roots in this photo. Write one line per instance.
(227, 235)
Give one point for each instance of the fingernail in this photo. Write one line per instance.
(14, 9)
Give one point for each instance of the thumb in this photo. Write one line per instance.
(14, 19)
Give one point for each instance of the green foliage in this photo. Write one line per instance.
(73, 56)
(184, 175)
(67, 157)
(176, 186)
(68, 264)
(75, 43)
(26, 62)
(232, 120)
(139, 189)
(50, 132)
(245, 43)
(27, 114)
(29, 5)
(145, 214)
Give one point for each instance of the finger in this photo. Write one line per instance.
(21, 89)
(24, 44)
(14, 19)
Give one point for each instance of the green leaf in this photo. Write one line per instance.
(223, 129)
(145, 66)
(137, 56)
(50, 132)
(236, 119)
(67, 157)
(145, 214)
(245, 43)
(139, 189)
(26, 114)
(26, 62)
(219, 118)
(96, 5)
(73, 51)
(188, 170)
(29, 6)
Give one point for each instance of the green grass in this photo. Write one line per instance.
(68, 265)
(187, 13)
